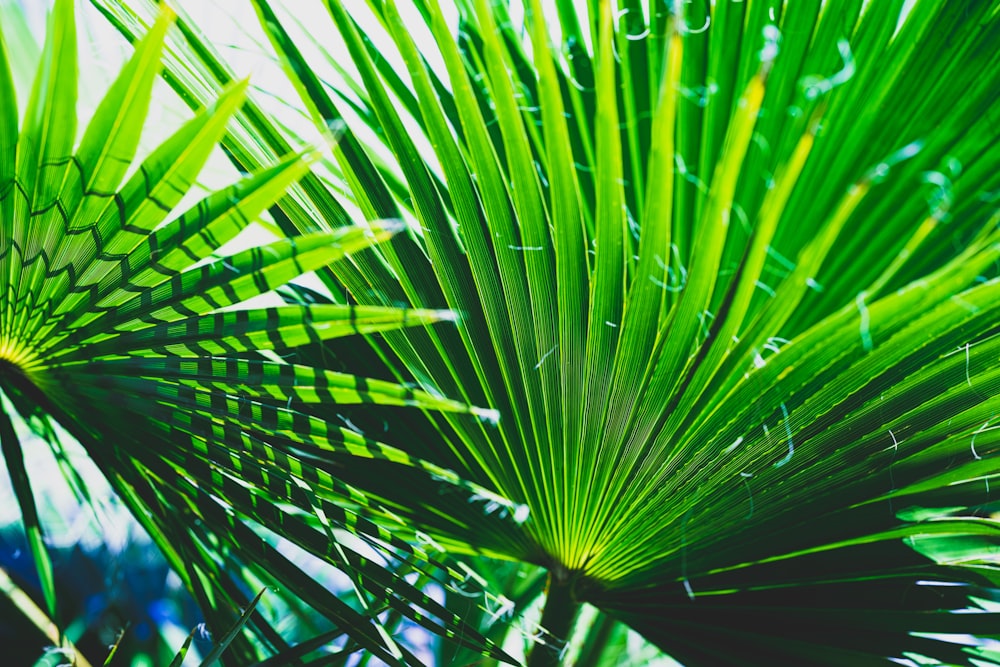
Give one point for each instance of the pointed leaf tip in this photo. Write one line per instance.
(488, 415)
(389, 225)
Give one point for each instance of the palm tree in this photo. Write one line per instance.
(726, 271)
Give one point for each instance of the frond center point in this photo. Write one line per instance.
(16, 365)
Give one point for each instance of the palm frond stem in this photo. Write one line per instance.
(559, 614)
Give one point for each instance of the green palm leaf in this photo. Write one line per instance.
(727, 272)
(128, 324)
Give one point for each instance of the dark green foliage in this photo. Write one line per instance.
(727, 274)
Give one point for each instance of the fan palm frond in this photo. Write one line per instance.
(127, 326)
(727, 272)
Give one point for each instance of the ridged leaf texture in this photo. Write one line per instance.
(728, 273)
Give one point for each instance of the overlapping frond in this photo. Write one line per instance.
(727, 272)
(128, 323)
